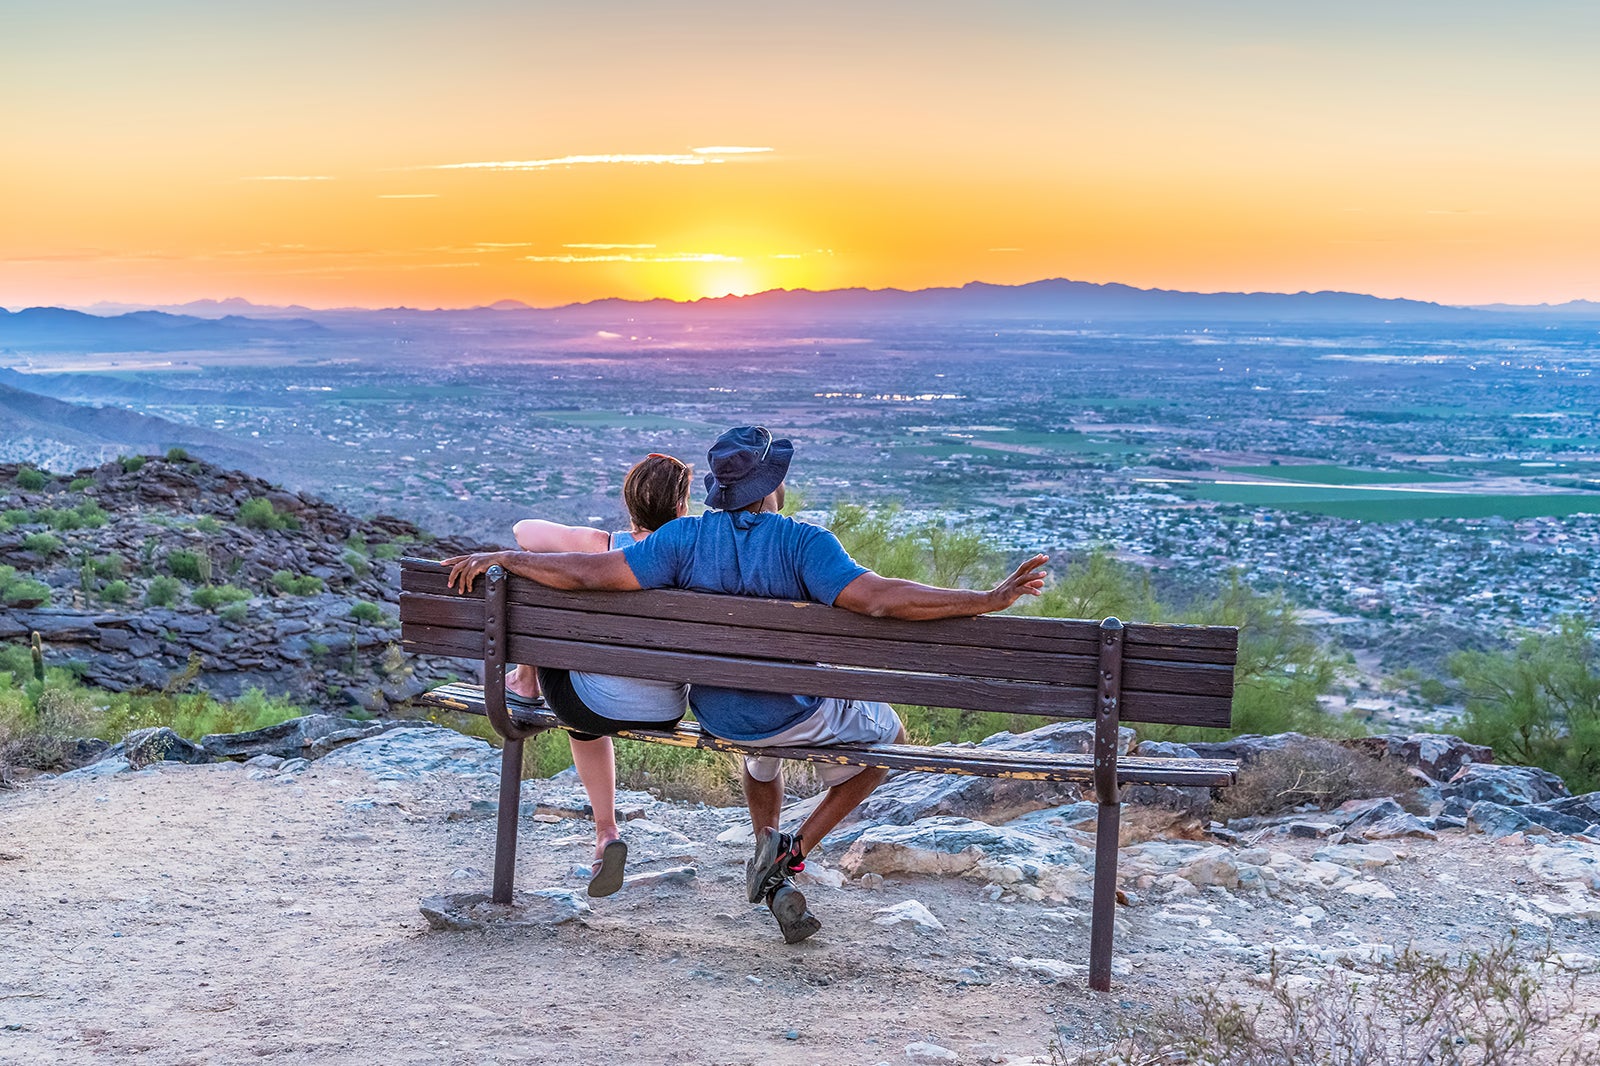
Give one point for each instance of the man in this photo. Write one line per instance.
(743, 546)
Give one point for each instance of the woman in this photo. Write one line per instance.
(656, 490)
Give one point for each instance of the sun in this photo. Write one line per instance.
(732, 279)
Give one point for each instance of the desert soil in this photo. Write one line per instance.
(216, 914)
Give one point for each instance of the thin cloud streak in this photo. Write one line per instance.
(695, 157)
(669, 257)
(611, 247)
(289, 177)
(728, 149)
(408, 196)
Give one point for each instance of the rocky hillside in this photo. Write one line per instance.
(145, 569)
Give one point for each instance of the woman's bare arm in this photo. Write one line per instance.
(537, 535)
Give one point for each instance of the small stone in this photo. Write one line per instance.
(871, 882)
(922, 1052)
(792, 1034)
(912, 913)
(677, 875)
(1370, 890)
(1053, 968)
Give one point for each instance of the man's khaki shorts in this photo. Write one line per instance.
(834, 722)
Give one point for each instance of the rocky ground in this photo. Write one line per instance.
(322, 910)
(120, 528)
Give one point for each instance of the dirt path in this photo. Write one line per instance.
(206, 914)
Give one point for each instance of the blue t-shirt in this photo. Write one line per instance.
(741, 553)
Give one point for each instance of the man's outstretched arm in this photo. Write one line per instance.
(888, 597)
(603, 571)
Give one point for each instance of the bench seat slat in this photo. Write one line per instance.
(1213, 644)
(970, 761)
(933, 690)
(1139, 674)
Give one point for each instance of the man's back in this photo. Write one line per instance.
(745, 553)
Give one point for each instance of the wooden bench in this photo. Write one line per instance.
(1057, 668)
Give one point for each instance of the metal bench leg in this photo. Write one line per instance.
(505, 838)
(1104, 914)
(1107, 719)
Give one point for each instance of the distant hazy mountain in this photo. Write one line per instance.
(58, 329)
(1056, 300)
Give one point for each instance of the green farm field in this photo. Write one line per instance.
(1381, 506)
(1341, 475)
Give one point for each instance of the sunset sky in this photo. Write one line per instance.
(369, 153)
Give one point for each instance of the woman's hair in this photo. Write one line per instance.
(656, 490)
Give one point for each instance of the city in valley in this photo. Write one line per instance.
(1414, 487)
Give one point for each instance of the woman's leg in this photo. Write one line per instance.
(524, 681)
(596, 763)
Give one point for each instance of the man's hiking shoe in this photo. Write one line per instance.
(775, 859)
(788, 905)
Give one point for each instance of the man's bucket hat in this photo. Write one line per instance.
(746, 465)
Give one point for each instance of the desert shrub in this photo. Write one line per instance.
(18, 591)
(207, 524)
(296, 585)
(1321, 772)
(38, 728)
(1538, 704)
(386, 551)
(237, 613)
(17, 516)
(192, 714)
(366, 612)
(131, 463)
(357, 563)
(31, 480)
(1484, 1008)
(113, 565)
(177, 455)
(213, 596)
(189, 566)
(115, 591)
(43, 543)
(162, 592)
(78, 484)
(258, 513)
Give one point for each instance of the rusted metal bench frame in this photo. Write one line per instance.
(1193, 684)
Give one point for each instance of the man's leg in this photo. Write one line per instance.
(765, 800)
(841, 800)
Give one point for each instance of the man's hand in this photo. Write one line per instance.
(1025, 580)
(464, 569)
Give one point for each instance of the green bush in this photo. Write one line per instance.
(25, 590)
(43, 543)
(18, 516)
(78, 484)
(91, 515)
(186, 565)
(131, 463)
(237, 613)
(258, 513)
(31, 480)
(112, 565)
(366, 612)
(177, 455)
(213, 596)
(163, 592)
(302, 585)
(207, 524)
(115, 592)
(357, 563)
(386, 551)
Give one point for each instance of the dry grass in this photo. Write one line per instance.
(1484, 1008)
(1320, 772)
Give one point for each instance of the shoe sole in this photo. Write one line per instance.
(608, 878)
(760, 869)
(796, 923)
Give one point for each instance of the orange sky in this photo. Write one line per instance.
(311, 153)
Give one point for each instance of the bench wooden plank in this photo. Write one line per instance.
(968, 761)
(1079, 671)
(1216, 644)
(933, 690)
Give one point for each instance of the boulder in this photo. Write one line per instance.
(1383, 819)
(947, 845)
(407, 754)
(908, 797)
(1584, 808)
(1509, 786)
(142, 747)
(1248, 747)
(1188, 800)
(911, 913)
(1496, 820)
(1439, 755)
(286, 740)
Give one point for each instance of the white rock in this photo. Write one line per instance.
(1358, 856)
(1046, 967)
(817, 874)
(912, 913)
(677, 875)
(1566, 862)
(930, 1053)
(1370, 890)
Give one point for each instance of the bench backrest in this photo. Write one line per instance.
(1170, 674)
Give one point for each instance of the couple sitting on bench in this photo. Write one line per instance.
(742, 546)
